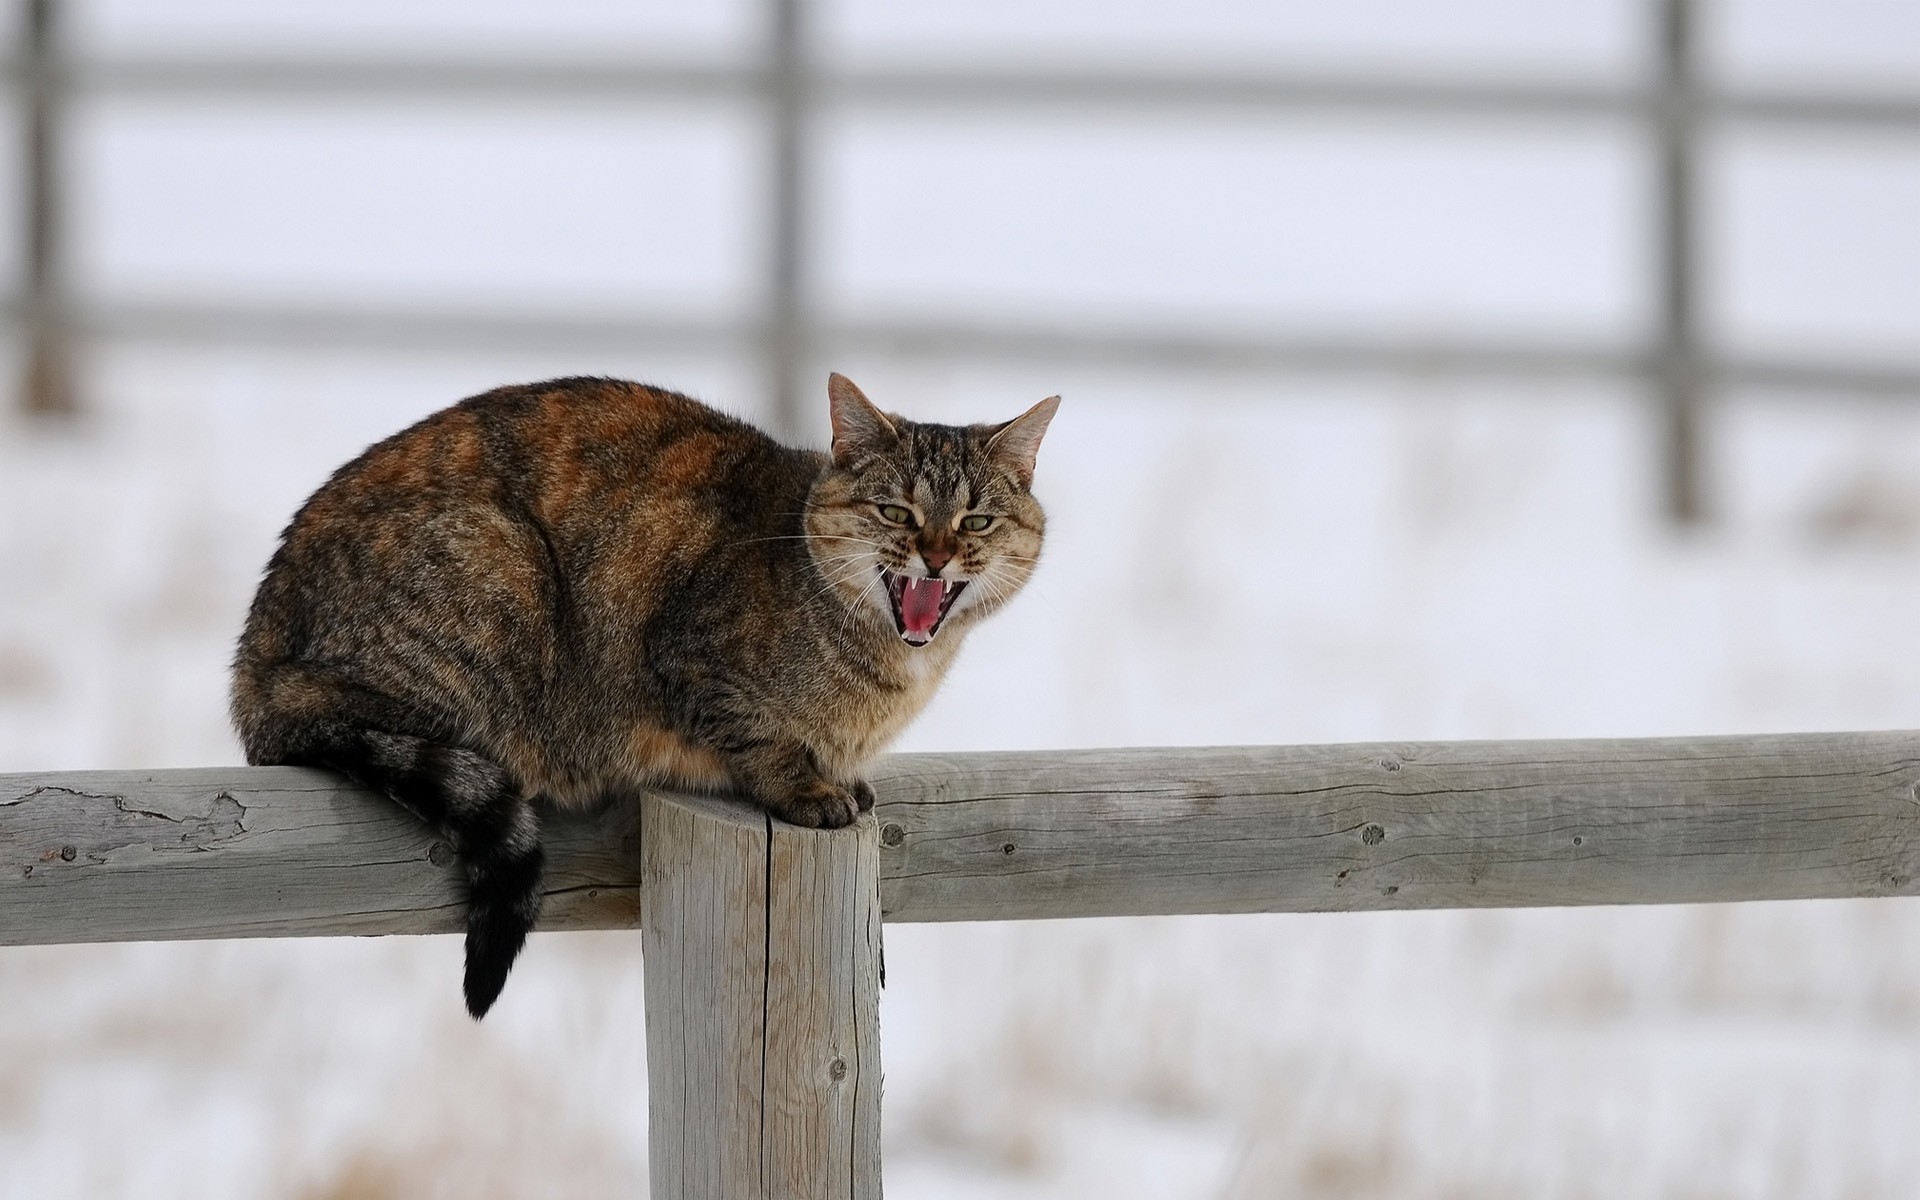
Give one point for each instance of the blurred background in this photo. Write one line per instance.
(1433, 369)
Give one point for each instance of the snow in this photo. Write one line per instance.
(1232, 559)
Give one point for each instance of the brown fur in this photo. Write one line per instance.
(568, 590)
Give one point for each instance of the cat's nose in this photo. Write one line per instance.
(935, 559)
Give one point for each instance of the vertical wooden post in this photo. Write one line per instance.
(762, 946)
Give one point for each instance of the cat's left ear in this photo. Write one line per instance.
(858, 427)
(1016, 445)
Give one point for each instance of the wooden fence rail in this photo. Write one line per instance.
(762, 941)
(270, 851)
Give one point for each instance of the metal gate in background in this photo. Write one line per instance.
(1670, 113)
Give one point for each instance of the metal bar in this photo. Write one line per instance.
(402, 328)
(1158, 347)
(386, 79)
(1678, 380)
(786, 345)
(47, 384)
(1026, 89)
(1892, 113)
(1021, 87)
(1139, 349)
(1787, 377)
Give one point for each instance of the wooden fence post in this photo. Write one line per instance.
(762, 945)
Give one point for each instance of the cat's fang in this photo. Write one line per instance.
(920, 605)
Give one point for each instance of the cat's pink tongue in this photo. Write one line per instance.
(920, 606)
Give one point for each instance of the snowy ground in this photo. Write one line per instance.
(1233, 560)
(1327, 561)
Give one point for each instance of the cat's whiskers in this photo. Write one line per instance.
(840, 573)
(997, 593)
(867, 549)
(843, 576)
(801, 537)
(858, 602)
(832, 560)
(1038, 591)
(857, 555)
(1002, 589)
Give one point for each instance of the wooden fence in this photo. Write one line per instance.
(762, 941)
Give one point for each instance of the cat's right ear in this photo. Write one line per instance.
(858, 427)
(1017, 443)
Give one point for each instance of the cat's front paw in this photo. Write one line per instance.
(823, 805)
(863, 795)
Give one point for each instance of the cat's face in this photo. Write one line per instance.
(924, 528)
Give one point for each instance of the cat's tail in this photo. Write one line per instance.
(475, 805)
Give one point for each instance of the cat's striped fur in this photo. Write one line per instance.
(563, 591)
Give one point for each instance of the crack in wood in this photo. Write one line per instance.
(62, 790)
(1136, 831)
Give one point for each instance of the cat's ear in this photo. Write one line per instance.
(1016, 445)
(858, 427)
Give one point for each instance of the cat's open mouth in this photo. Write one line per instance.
(919, 605)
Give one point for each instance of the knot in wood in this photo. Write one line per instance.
(68, 854)
(837, 1069)
(1373, 835)
(440, 854)
(892, 834)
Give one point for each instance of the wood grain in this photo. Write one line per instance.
(245, 852)
(102, 856)
(705, 929)
(763, 1050)
(1438, 825)
(822, 1092)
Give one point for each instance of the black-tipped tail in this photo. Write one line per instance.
(471, 800)
(502, 905)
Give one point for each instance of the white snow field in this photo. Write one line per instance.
(1232, 559)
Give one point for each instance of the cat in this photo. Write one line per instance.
(564, 591)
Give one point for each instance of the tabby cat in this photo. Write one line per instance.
(567, 590)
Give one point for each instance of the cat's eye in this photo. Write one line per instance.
(977, 523)
(896, 514)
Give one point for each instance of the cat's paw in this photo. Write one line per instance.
(863, 795)
(823, 805)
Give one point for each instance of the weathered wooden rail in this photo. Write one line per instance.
(762, 940)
